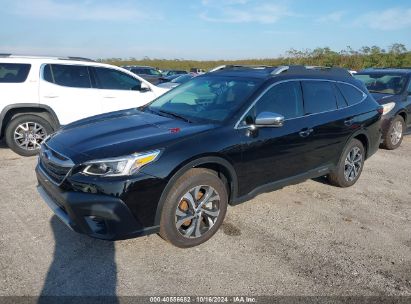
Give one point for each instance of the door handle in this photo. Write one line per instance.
(109, 96)
(306, 132)
(349, 122)
(50, 96)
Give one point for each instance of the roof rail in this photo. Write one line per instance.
(76, 58)
(387, 68)
(298, 69)
(239, 66)
(48, 57)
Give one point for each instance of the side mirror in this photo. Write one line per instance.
(144, 87)
(268, 119)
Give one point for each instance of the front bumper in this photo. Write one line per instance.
(97, 215)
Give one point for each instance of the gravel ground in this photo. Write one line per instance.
(308, 239)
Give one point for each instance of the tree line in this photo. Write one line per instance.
(396, 55)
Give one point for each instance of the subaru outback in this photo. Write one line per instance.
(173, 166)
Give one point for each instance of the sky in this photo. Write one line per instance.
(198, 29)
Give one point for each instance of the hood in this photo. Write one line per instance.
(385, 98)
(120, 133)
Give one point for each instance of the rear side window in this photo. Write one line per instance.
(318, 97)
(341, 103)
(73, 76)
(351, 94)
(111, 79)
(14, 72)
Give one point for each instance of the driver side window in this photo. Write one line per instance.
(284, 98)
(111, 79)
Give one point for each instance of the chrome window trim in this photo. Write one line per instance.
(238, 127)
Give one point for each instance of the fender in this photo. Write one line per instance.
(355, 134)
(26, 106)
(183, 168)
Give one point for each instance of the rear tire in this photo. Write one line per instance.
(350, 165)
(393, 137)
(25, 133)
(194, 208)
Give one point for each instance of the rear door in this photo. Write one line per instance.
(328, 127)
(67, 89)
(119, 90)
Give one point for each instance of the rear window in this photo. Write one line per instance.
(318, 97)
(350, 93)
(14, 72)
(74, 76)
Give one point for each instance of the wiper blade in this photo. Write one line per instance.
(174, 115)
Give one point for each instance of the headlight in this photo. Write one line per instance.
(120, 166)
(388, 107)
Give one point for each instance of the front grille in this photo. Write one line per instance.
(55, 165)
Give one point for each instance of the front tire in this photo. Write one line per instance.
(350, 166)
(395, 134)
(194, 208)
(24, 134)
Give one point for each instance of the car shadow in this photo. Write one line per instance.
(3, 144)
(322, 180)
(81, 266)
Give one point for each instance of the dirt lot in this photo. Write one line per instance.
(309, 239)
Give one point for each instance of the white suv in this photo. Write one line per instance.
(39, 94)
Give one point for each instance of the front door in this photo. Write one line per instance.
(272, 154)
(119, 90)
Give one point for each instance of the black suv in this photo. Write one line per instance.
(174, 165)
(392, 89)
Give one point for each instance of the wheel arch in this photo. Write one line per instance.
(13, 110)
(362, 137)
(223, 168)
(403, 114)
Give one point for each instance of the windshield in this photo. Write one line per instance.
(206, 98)
(382, 83)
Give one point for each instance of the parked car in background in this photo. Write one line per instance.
(174, 72)
(168, 78)
(392, 89)
(176, 81)
(197, 71)
(174, 165)
(148, 73)
(39, 94)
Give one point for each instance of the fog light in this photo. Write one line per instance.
(96, 224)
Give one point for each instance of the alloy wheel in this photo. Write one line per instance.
(29, 135)
(396, 133)
(197, 211)
(353, 163)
